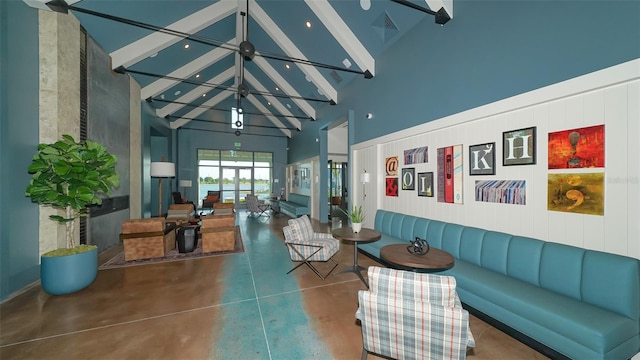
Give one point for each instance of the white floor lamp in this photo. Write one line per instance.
(184, 184)
(162, 169)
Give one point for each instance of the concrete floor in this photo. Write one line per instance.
(237, 306)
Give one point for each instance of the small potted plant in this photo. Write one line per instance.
(70, 175)
(356, 216)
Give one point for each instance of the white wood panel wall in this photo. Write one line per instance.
(610, 97)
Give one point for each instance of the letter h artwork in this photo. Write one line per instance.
(519, 147)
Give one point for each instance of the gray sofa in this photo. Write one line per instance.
(580, 303)
(296, 205)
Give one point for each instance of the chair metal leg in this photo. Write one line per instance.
(364, 354)
(307, 262)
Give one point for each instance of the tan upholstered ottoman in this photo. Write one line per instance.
(147, 238)
(218, 233)
(223, 208)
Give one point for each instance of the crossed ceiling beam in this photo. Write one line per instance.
(343, 34)
(275, 102)
(194, 94)
(217, 99)
(291, 50)
(153, 43)
(186, 71)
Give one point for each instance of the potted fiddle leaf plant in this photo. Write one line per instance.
(70, 176)
(356, 216)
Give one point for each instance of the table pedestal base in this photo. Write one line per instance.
(355, 268)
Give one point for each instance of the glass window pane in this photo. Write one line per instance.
(212, 157)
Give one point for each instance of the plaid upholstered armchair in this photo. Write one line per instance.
(407, 315)
(306, 246)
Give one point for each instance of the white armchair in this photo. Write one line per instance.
(407, 315)
(306, 246)
(257, 206)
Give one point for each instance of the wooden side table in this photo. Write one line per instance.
(365, 235)
(433, 261)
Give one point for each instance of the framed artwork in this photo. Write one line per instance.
(577, 148)
(416, 156)
(519, 147)
(391, 166)
(502, 191)
(576, 193)
(408, 179)
(392, 186)
(482, 159)
(449, 161)
(425, 184)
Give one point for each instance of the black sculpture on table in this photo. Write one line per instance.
(419, 246)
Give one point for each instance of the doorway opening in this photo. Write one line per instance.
(338, 197)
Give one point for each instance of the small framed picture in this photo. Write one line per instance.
(408, 179)
(482, 159)
(519, 147)
(425, 184)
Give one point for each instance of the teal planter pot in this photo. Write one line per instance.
(61, 275)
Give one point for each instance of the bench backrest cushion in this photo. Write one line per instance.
(451, 236)
(495, 247)
(561, 269)
(299, 199)
(434, 233)
(471, 245)
(611, 281)
(523, 259)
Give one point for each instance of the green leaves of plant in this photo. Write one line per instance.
(71, 174)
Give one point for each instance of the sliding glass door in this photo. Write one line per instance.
(236, 184)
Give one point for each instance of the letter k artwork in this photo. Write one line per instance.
(479, 161)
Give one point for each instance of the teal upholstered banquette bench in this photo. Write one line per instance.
(296, 205)
(581, 303)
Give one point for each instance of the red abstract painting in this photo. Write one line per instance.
(577, 148)
(392, 186)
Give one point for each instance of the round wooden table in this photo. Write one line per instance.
(433, 261)
(347, 234)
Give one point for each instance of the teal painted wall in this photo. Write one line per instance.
(157, 144)
(19, 259)
(491, 50)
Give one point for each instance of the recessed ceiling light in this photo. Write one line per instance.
(153, 55)
(197, 76)
(162, 96)
(186, 46)
(320, 91)
(287, 66)
(346, 63)
(365, 4)
(177, 93)
(205, 94)
(308, 24)
(277, 88)
(289, 106)
(269, 103)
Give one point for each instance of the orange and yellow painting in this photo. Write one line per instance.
(576, 193)
(577, 148)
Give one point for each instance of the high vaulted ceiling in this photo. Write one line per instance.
(185, 53)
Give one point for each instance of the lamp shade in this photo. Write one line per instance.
(185, 183)
(364, 177)
(162, 169)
